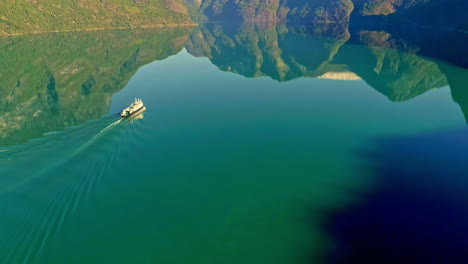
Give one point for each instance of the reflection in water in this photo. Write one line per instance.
(398, 75)
(278, 151)
(446, 45)
(390, 65)
(276, 51)
(69, 78)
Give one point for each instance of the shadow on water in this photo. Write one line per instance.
(55, 165)
(418, 211)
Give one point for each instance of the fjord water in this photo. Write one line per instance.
(261, 144)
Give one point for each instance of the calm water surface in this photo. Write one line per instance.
(261, 144)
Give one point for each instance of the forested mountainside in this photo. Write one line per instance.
(26, 16)
(447, 13)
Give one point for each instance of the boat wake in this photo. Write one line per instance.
(45, 182)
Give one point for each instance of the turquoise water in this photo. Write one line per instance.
(248, 150)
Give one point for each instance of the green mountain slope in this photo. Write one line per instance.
(24, 16)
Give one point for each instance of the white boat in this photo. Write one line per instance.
(135, 108)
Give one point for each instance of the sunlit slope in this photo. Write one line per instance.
(23, 16)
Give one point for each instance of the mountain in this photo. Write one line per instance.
(271, 10)
(26, 16)
(442, 13)
(69, 78)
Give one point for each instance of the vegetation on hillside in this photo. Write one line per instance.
(24, 16)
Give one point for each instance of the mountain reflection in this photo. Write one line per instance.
(272, 50)
(389, 64)
(52, 81)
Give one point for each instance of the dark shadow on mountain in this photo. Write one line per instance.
(52, 81)
(418, 210)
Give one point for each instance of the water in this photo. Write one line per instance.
(260, 144)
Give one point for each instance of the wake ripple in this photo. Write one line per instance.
(45, 183)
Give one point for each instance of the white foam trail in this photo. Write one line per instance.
(95, 137)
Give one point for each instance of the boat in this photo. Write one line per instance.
(135, 108)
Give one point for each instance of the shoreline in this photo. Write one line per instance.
(3, 34)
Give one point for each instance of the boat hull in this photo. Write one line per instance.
(140, 110)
